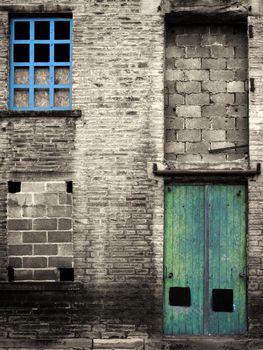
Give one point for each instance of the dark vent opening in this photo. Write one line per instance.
(10, 274)
(66, 274)
(222, 300)
(14, 186)
(69, 186)
(180, 296)
(22, 30)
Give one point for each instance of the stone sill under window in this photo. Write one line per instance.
(40, 286)
(76, 113)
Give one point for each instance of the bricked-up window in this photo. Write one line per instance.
(39, 232)
(40, 64)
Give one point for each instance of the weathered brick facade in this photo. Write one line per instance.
(127, 116)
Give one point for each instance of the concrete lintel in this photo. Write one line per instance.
(207, 7)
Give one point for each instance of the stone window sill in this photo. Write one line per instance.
(76, 113)
(40, 286)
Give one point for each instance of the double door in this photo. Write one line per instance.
(204, 259)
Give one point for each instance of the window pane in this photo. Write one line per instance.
(62, 30)
(61, 75)
(42, 30)
(21, 75)
(41, 52)
(41, 98)
(61, 97)
(21, 98)
(22, 31)
(21, 53)
(62, 52)
(41, 75)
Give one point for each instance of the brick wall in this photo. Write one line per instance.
(206, 93)
(39, 230)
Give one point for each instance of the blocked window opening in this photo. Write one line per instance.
(206, 91)
(66, 274)
(39, 231)
(222, 300)
(14, 186)
(180, 296)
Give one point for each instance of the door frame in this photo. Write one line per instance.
(203, 182)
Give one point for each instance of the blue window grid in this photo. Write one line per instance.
(32, 64)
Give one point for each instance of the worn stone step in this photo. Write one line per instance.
(120, 344)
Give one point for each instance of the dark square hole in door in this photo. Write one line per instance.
(14, 186)
(222, 300)
(22, 30)
(62, 52)
(180, 296)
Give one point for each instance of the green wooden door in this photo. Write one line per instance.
(204, 260)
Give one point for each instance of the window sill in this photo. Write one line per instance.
(76, 113)
(40, 286)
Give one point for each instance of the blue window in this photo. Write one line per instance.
(41, 64)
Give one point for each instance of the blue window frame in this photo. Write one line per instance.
(40, 64)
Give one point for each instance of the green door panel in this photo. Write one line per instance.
(184, 249)
(227, 232)
(204, 249)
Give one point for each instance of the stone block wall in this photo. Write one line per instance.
(206, 93)
(39, 231)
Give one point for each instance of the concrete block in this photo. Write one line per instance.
(175, 147)
(197, 123)
(175, 51)
(60, 262)
(64, 224)
(59, 186)
(45, 249)
(188, 40)
(235, 86)
(214, 135)
(197, 52)
(237, 136)
(59, 236)
(208, 40)
(46, 275)
(65, 249)
(222, 75)
(189, 135)
(33, 187)
(20, 249)
(198, 99)
(14, 212)
(213, 63)
(59, 211)
(223, 123)
(170, 135)
(170, 86)
(223, 98)
(188, 87)
(19, 199)
(237, 63)
(225, 51)
(214, 86)
(174, 123)
(19, 224)
(189, 111)
(188, 63)
(176, 99)
(15, 262)
(174, 74)
(197, 147)
(34, 211)
(198, 75)
(23, 275)
(242, 124)
(34, 236)
(237, 111)
(14, 237)
(44, 224)
(45, 198)
(34, 262)
(241, 98)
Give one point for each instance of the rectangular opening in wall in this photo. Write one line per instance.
(10, 274)
(206, 90)
(222, 300)
(14, 186)
(69, 186)
(66, 274)
(180, 296)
